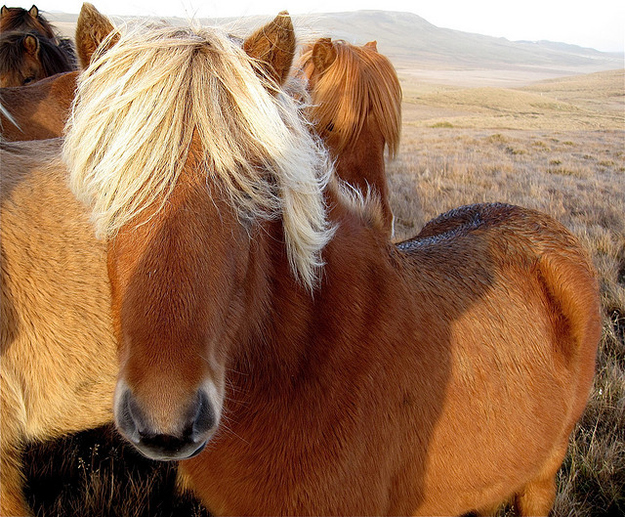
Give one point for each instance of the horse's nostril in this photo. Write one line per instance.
(128, 417)
(205, 417)
(182, 438)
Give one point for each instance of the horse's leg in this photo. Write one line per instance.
(12, 431)
(537, 497)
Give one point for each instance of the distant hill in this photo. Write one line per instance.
(412, 42)
(408, 38)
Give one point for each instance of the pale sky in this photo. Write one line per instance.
(598, 24)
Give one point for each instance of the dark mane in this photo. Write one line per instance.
(22, 20)
(52, 57)
(18, 19)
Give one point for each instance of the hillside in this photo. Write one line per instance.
(408, 38)
(414, 45)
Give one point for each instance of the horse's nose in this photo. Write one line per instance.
(189, 439)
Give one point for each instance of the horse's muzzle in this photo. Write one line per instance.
(194, 432)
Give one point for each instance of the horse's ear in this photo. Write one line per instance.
(31, 45)
(33, 11)
(372, 45)
(323, 54)
(274, 47)
(92, 28)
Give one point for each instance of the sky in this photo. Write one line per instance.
(598, 24)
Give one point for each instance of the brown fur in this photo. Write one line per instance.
(356, 109)
(26, 57)
(59, 359)
(435, 377)
(58, 364)
(38, 110)
(18, 19)
(91, 29)
(438, 376)
(272, 45)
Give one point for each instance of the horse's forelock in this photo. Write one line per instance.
(358, 83)
(139, 105)
(51, 57)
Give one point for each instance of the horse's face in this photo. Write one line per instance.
(177, 287)
(182, 266)
(25, 69)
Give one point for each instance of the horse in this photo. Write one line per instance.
(18, 19)
(356, 108)
(59, 358)
(297, 361)
(39, 111)
(26, 57)
(59, 355)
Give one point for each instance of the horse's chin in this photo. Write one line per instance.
(159, 454)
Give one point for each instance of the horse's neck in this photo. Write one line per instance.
(296, 329)
(361, 164)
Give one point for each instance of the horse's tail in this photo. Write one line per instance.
(571, 284)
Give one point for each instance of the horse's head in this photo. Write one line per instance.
(351, 87)
(26, 57)
(184, 146)
(19, 19)
(19, 57)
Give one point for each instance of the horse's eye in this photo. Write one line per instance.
(28, 80)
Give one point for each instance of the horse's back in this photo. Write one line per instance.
(518, 323)
(56, 333)
(38, 111)
(498, 243)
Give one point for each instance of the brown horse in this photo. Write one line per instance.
(58, 365)
(356, 108)
(59, 358)
(258, 315)
(26, 57)
(38, 111)
(18, 19)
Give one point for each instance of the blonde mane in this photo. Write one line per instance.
(140, 103)
(359, 82)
